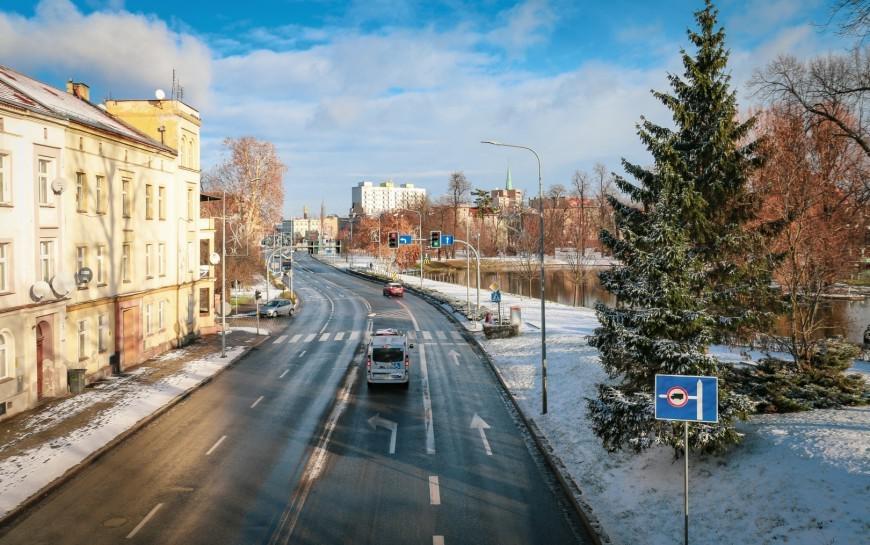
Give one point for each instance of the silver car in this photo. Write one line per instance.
(278, 307)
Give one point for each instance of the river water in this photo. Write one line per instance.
(846, 318)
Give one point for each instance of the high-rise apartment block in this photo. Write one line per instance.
(371, 200)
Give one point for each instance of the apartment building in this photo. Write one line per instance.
(371, 200)
(100, 239)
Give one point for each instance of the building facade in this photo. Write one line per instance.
(100, 239)
(371, 200)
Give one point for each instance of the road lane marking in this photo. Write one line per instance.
(310, 337)
(279, 339)
(144, 521)
(295, 338)
(411, 315)
(434, 490)
(255, 403)
(441, 335)
(457, 336)
(302, 353)
(339, 336)
(455, 355)
(216, 445)
(481, 426)
(427, 335)
(378, 420)
(427, 404)
(353, 336)
(437, 540)
(284, 373)
(412, 335)
(324, 337)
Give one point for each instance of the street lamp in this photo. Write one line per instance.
(543, 307)
(420, 239)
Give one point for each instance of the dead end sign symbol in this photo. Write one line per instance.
(677, 396)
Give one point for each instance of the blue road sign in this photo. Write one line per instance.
(687, 398)
(446, 240)
(406, 239)
(495, 296)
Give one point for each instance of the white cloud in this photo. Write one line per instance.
(117, 51)
(523, 25)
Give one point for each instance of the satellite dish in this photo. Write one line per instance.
(159, 94)
(40, 290)
(58, 185)
(60, 285)
(214, 258)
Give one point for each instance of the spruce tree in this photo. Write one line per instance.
(691, 270)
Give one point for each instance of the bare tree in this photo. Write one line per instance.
(457, 191)
(604, 211)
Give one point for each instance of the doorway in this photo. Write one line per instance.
(43, 352)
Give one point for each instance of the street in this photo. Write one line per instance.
(290, 446)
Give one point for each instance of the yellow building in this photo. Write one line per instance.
(100, 236)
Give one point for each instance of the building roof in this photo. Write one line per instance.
(24, 92)
(509, 184)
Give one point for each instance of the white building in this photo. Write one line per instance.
(372, 200)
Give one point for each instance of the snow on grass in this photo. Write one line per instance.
(23, 475)
(800, 478)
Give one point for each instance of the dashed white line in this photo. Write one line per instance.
(216, 445)
(427, 404)
(279, 339)
(255, 403)
(284, 373)
(434, 490)
(413, 320)
(144, 521)
(302, 353)
(324, 337)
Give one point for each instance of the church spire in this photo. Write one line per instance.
(508, 182)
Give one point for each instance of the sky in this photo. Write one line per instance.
(404, 90)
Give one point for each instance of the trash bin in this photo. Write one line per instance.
(75, 379)
(516, 316)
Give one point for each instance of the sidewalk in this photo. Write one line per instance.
(39, 447)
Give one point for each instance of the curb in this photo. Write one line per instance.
(569, 486)
(11, 516)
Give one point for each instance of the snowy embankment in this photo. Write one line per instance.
(24, 475)
(801, 478)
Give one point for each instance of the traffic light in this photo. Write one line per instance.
(393, 239)
(257, 294)
(435, 239)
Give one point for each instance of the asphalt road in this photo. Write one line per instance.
(290, 446)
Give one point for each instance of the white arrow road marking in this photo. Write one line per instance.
(427, 403)
(434, 490)
(481, 425)
(378, 420)
(455, 355)
(145, 520)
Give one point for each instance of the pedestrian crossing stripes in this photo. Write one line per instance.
(440, 337)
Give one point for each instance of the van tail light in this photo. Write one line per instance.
(369, 364)
(407, 362)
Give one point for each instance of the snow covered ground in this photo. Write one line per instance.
(23, 475)
(801, 478)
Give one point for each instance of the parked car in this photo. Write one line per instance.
(394, 289)
(389, 360)
(278, 307)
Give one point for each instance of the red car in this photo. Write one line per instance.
(394, 289)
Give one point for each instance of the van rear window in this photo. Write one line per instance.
(388, 354)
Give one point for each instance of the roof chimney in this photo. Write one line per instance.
(78, 89)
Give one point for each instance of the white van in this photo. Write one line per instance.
(388, 360)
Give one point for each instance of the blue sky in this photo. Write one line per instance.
(383, 89)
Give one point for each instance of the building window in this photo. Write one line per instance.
(204, 301)
(125, 262)
(125, 197)
(5, 179)
(81, 260)
(149, 202)
(83, 339)
(182, 157)
(46, 260)
(43, 171)
(161, 259)
(161, 315)
(190, 204)
(101, 195)
(161, 202)
(101, 265)
(103, 332)
(148, 325)
(5, 269)
(81, 192)
(149, 267)
(5, 355)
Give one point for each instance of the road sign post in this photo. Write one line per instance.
(675, 401)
